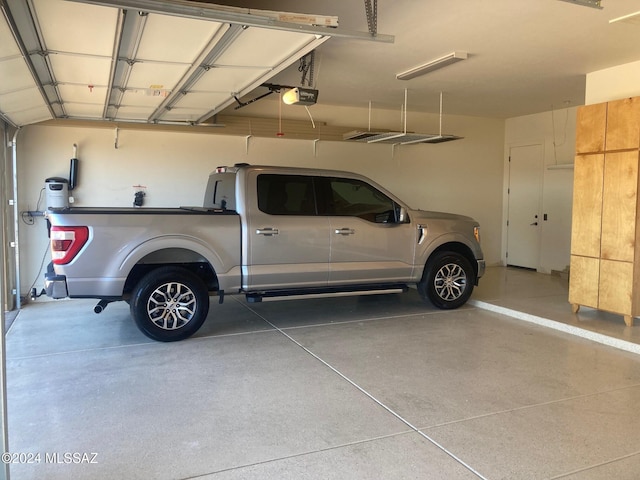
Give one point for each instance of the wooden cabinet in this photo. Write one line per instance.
(605, 235)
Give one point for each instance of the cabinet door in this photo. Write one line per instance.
(619, 201)
(583, 282)
(587, 205)
(623, 124)
(616, 286)
(591, 124)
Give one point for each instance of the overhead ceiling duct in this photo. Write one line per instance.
(147, 61)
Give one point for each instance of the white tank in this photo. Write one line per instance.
(57, 192)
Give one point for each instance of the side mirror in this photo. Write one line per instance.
(402, 215)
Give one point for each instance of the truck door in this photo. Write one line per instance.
(368, 244)
(286, 244)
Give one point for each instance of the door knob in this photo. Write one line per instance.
(534, 223)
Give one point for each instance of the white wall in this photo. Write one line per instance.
(613, 83)
(464, 176)
(555, 131)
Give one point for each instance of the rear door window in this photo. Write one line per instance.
(286, 195)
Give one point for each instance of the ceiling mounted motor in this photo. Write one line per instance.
(300, 96)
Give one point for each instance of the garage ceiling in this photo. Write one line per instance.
(524, 56)
(141, 60)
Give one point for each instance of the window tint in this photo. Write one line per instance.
(220, 193)
(348, 197)
(286, 195)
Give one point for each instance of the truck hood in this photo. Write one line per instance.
(429, 215)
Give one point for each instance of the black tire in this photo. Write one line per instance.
(447, 281)
(169, 304)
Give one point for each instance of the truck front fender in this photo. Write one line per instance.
(448, 241)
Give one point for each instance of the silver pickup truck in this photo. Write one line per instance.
(267, 233)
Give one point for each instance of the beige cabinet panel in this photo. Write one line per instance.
(605, 237)
(585, 274)
(587, 205)
(623, 124)
(619, 204)
(591, 124)
(616, 286)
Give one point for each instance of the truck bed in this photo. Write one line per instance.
(142, 211)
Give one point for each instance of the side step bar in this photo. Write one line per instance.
(257, 297)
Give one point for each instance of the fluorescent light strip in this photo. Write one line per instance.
(453, 57)
(633, 18)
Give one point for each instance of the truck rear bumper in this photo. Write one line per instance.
(55, 286)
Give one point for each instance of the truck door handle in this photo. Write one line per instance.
(267, 231)
(345, 231)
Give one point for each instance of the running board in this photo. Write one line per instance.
(324, 293)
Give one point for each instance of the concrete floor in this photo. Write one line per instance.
(348, 388)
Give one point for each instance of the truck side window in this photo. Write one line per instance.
(220, 193)
(286, 195)
(355, 198)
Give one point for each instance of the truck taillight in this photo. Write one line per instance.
(66, 242)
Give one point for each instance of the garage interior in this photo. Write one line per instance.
(151, 96)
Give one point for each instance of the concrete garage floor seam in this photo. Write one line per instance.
(368, 394)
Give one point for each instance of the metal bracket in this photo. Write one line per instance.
(372, 16)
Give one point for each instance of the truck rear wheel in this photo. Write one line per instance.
(447, 281)
(169, 304)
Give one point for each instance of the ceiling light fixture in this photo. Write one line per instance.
(300, 96)
(453, 57)
(586, 3)
(633, 18)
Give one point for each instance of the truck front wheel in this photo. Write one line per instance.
(447, 281)
(169, 304)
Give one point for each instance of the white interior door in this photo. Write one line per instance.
(524, 218)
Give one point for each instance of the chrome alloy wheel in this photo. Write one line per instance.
(171, 306)
(450, 282)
